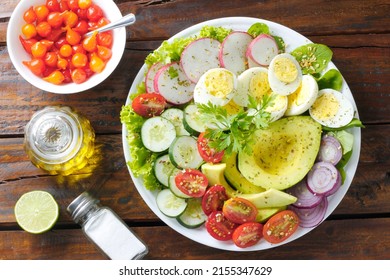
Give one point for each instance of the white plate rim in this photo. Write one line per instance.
(200, 235)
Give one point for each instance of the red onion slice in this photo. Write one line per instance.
(323, 179)
(330, 150)
(305, 198)
(311, 217)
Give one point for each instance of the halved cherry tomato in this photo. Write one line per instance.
(206, 152)
(213, 199)
(247, 234)
(219, 227)
(148, 105)
(192, 182)
(280, 226)
(239, 210)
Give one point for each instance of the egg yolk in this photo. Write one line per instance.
(285, 70)
(300, 96)
(259, 85)
(219, 83)
(325, 107)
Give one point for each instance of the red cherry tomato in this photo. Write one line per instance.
(27, 43)
(206, 152)
(29, 16)
(247, 234)
(280, 226)
(78, 76)
(36, 65)
(104, 39)
(81, 27)
(148, 105)
(73, 4)
(239, 210)
(53, 5)
(43, 28)
(55, 19)
(51, 59)
(192, 182)
(213, 199)
(63, 5)
(219, 227)
(94, 13)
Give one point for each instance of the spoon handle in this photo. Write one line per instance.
(124, 21)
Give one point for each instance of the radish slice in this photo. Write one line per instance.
(263, 49)
(305, 198)
(171, 82)
(233, 49)
(149, 79)
(251, 62)
(323, 179)
(311, 217)
(330, 150)
(200, 56)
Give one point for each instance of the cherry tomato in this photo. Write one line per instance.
(63, 5)
(90, 43)
(70, 18)
(72, 37)
(36, 65)
(42, 12)
(60, 42)
(51, 59)
(62, 63)
(78, 76)
(53, 5)
(56, 77)
(149, 105)
(219, 227)
(94, 12)
(84, 4)
(206, 152)
(29, 16)
(79, 60)
(43, 28)
(96, 64)
(29, 30)
(247, 234)
(66, 50)
(38, 50)
(192, 182)
(67, 76)
(280, 226)
(73, 4)
(104, 39)
(104, 52)
(55, 34)
(55, 19)
(213, 199)
(27, 43)
(82, 13)
(239, 210)
(81, 27)
(78, 49)
(47, 43)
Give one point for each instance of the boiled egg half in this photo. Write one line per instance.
(303, 98)
(254, 82)
(284, 74)
(217, 85)
(332, 109)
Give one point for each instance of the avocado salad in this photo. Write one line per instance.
(238, 136)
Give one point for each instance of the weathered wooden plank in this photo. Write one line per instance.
(359, 239)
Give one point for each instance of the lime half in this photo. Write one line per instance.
(36, 211)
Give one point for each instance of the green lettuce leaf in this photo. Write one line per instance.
(313, 58)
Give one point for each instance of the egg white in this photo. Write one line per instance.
(281, 87)
(303, 98)
(332, 109)
(203, 95)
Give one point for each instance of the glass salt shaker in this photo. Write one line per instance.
(105, 229)
(59, 140)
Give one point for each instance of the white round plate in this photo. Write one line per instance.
(292, 40)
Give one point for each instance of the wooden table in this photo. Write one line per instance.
(359, 35)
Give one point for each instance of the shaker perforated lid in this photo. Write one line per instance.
(80, 205)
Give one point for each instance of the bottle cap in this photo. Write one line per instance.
(80, 205)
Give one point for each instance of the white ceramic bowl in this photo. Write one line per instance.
(18, 54)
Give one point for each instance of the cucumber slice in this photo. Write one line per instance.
(193, 216)
(157, 134)
(169, 204)
(184, 153)
(192, 121)
(176, 116)
(163, 168)
(172, 184)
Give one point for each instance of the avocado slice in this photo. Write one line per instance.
(214, 174)
(269, 199)
(283, 154)
(235, 178)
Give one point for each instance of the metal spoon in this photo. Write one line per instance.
(124, 21)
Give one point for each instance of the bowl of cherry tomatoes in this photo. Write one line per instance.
(48, 46)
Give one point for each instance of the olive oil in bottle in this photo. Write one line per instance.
(59, 140)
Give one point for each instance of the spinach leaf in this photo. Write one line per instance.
(331, 79)
(313, 58)
(258, 28)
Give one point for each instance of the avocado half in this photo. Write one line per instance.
(283, 153)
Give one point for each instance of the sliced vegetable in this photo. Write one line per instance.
(169, 204)
(239, 210)
(262, 49)
(171, 82)
(280, 226)
(206, 152)
(191, 182)
(305, 198)
(184, 152)
(330, 150)
(163, 167)
(149, 105)
(157, 134)
(176, 116)
(214, 199)
(219, 227)
(193, 216)
(311, 217)
(200, 56)
(172, 184)
(247, 234)
(192, 121)
(150, 75)
(323, 179)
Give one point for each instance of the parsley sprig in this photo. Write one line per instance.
(234, 133)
